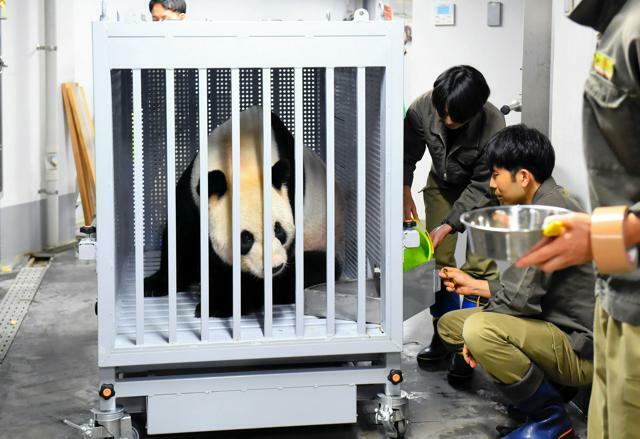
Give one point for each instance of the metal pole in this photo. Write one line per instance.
(204, 204)
(171, 203)
(138, 204)
(299, 203)
(331, 205)
(266, 212)
(52, 99)
(362, 204)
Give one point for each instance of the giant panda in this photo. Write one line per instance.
(251, 217)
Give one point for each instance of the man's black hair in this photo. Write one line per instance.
(179, 6)
(519, 147)
(460, 92)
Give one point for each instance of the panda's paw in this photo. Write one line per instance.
(214, 311)
(154, 287)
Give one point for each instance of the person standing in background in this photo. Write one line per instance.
(162, 10)
(455, 121)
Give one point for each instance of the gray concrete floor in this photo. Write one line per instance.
(50, 373)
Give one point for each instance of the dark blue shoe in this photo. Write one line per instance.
(546, 416)
(445, 301)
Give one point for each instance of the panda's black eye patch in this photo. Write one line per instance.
(246, 242)
(280, 233)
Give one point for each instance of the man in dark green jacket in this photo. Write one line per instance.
(536, 326)
(611, 133)
(454, 120)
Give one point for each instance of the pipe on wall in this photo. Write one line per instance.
(52, 92)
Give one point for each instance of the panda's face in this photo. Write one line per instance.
(251, 219)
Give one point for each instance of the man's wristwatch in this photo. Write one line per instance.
(607, 241)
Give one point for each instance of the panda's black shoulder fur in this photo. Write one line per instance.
(286, 150)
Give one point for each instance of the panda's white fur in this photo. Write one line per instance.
(251, 190)
(251, 200)
(251, 207)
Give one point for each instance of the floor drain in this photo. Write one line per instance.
(15, 304)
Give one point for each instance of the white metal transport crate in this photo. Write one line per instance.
(160, 91)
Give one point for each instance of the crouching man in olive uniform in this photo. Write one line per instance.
(537, 327)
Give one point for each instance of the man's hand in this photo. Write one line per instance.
(468, 357)
(410, 211)
(457, 281)
(439, 233)
(573, 247)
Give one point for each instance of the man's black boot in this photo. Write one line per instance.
(435, 352)
(459, 371)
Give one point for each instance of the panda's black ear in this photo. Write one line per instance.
(280, 173)
(217, 184)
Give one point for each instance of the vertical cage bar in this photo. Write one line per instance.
(393, 197)
(138, 204)
(331, 270)
(235, 190)
(171, 201)
(266, 196)
(203, 122)
(385, 133)
(105, 186)
(362, 205)
(299, 204)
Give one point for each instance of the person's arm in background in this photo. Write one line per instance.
(414, 147)
(573, 247)
(477, 193)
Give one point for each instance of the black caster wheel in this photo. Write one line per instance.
(401, 427)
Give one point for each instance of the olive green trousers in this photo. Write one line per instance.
(505, 346)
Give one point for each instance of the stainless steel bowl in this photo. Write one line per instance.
(506, 232)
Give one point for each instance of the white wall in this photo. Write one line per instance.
(495, 51)
(66, 71)
(573, 48)
(22, 102)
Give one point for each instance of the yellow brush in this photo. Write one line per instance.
(553, 228)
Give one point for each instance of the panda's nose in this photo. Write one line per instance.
(277, 269)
